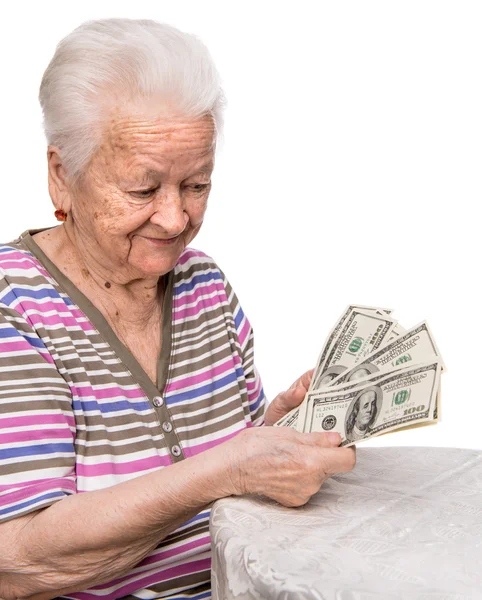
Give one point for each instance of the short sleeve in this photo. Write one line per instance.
(256, 397)
(37, 426)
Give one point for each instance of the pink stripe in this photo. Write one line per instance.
(23, 421)
(22, 345)
(244, 333)
(254, 392)
(105, 393)
(46, 486)
(6, 347)
(42, 320)
(203, 303)
(30, 482)
(200, 290)
(39, 434)
(46, 356)
(158, 577)
(53, 304)
(23, 262)
(156, 557)
(133, 466)
(251, 384)
(191, 253)
(16, 254)
(78, 314)
(202, 447)
(209, 374)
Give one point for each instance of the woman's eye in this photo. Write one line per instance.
(144, 193)
(199, 187)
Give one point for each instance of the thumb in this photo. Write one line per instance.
(293, 397)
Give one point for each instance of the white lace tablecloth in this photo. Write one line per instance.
(405, 524)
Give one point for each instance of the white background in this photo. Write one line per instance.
(350, 171)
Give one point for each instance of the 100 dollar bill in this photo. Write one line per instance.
(332, 336)
(415, 345)
(359, 335)
(396, 400)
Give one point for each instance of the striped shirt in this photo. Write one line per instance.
(78, 413)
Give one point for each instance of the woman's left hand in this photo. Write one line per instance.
(286, 401)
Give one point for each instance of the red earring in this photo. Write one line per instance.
(60, 215)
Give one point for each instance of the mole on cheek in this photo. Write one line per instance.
(85, 273)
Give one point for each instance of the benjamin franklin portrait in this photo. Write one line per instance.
(363, 413)
(361, 371)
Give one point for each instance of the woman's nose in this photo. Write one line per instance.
(169, 213)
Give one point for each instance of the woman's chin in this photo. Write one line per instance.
(158, 265)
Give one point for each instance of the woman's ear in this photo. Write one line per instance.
(57, 180)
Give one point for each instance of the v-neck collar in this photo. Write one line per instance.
(102, 325)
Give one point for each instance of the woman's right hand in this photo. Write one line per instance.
(282, 464)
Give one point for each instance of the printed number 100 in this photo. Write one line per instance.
(414, 409)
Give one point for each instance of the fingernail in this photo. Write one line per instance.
(334, 437)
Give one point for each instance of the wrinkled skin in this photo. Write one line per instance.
(149, 180)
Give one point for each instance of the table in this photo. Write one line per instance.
(406, 524)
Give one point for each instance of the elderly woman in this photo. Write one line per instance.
(128, 394)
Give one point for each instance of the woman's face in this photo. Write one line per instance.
(144, 195)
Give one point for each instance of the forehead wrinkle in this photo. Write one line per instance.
(137, 126)
(130, 140)
(129, 147)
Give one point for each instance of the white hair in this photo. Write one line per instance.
(109, 62)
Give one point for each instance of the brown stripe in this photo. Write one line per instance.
(60, 462)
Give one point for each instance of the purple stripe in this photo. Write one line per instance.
(206, 375)
(200, 290)
(203, 303)
(35, 503)
(28, 492)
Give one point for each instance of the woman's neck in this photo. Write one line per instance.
(134, 302)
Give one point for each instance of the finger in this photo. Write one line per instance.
(306, 378)
(338, 460)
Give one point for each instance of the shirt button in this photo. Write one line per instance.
(176, 451)
(157, 401)
(167, 427)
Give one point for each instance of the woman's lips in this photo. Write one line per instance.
(163, 242)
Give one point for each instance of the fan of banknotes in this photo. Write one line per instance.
(372, 377)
